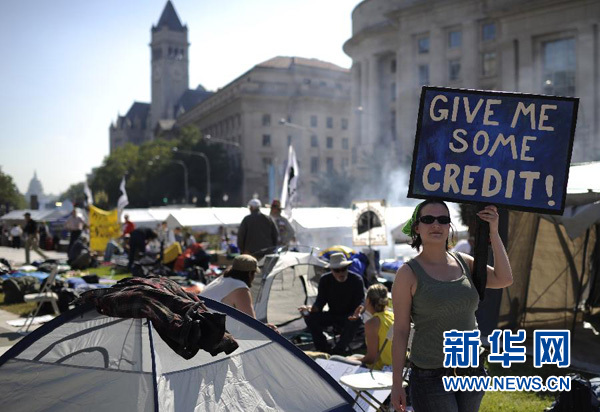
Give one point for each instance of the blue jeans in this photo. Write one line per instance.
(427, 393)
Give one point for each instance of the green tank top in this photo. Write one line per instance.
(439, 306)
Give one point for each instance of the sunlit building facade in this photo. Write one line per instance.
(282, 101)
(536, 46)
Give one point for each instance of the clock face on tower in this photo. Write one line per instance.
(156, 72)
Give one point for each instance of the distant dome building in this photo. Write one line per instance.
(35, 197)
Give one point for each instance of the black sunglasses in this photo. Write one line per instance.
(428, 219)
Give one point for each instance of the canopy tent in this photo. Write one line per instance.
(322, 226)
(44, 215)
(556, 265)
(85, 361)
(288, 280)
(150, 217)
(555, 261)
(209, 219)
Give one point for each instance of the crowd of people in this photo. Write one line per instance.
(432, 293)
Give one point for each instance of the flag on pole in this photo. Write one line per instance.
(88, 193)
(289, 192)
(123, 200)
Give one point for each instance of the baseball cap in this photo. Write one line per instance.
(245, 263)
(254, 203)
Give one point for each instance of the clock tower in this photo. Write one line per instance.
(169, 73)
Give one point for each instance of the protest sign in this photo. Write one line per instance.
(508, 149)
(104, 226)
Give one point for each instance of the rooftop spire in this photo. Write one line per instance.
(169, 19)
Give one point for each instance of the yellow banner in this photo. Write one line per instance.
(104, 226)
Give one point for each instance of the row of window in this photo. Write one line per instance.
(314, 141)
(315, 164)
(558, 68)
(488, 68)
(314, 121)
(454, 39)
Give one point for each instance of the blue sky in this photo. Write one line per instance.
(68, 67)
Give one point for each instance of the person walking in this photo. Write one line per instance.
(436, 290)
(257, 233)
(31, 238)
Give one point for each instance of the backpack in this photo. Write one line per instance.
(581, 397)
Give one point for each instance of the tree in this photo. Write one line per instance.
(10, 197)
(152, 176)
(74, 193)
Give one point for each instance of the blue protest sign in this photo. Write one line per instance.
(508, 149)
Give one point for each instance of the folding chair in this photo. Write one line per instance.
(45, 295)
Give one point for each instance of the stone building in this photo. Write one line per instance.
(282, 101)
(170, 81)
(536, 46)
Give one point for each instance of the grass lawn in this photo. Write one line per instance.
(523, 401)
(23, 309)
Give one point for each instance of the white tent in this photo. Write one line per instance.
(289, 280)
(85, 361)
(150, 217)
(208, 218)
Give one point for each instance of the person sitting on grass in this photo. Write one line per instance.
(379, 352)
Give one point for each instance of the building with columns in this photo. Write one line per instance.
(282, 101)
(536, 46)
(171, 95)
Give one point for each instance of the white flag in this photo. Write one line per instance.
(88, 193)
(123, 200)
(289, 192)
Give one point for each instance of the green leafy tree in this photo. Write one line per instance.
(10, 197)
(74, 193)
(154, 177)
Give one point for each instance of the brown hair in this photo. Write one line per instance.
(378, 296)
(416, 238)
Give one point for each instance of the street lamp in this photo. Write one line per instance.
(185, 176)
(203, 156)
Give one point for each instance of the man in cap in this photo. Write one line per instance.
(344, 293)
(257, 233)
(31, 238)
(286, 231)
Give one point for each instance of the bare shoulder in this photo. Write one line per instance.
(373, 323)
(405, 275)
(468, 259)
(465, 257)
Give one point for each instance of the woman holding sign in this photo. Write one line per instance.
(436, 290)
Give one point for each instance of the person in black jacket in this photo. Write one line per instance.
(138, 239)
(344, 293)
(31, 238)
(257, 233)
